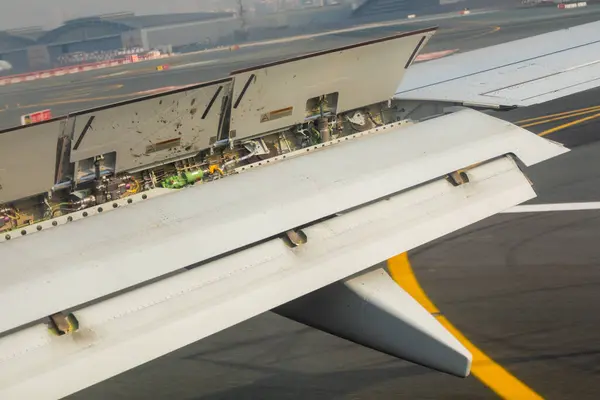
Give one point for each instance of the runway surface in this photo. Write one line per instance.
(94, 88)
(522, 288)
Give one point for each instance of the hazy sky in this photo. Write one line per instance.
(50, 13)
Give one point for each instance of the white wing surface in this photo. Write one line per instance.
(518, 73)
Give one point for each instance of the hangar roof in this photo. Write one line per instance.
(10, 41)
(113, 24)
(149, 21)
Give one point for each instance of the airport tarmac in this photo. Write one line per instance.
(521, 287)
(94, 88)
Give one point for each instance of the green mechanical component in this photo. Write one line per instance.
(177, 181)
(193, 176)
(174, 182)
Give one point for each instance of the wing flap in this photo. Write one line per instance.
(138, 326)
(518, 73)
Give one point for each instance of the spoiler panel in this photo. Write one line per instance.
(152, 130)
(353, 77)
(28, 160)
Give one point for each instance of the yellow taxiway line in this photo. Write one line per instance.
(486, 370)
(571, 115)
(526, 123)
(564, 114)
(569, 124)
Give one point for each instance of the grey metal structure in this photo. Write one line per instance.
(19, 176)
(346, 76)
(148, 131)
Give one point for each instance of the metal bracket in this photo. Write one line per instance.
(458, 178)
(294, 238)
(61, 324)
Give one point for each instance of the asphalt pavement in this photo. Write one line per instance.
(75, 92)
(523, 288)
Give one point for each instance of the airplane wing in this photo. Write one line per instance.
(520, 73)
(156, 222)
(238, 267)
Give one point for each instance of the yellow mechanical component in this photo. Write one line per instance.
(214, 168)
(61, 324)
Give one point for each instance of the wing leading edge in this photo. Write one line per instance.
(518, 73)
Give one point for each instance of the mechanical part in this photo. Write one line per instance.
(294, 238)
(215, 168)
(324, 129)
(86, 202)
(61, 324)
(6, 210)
(150, 180)
(255, 149)
(193, 176)
(62, 186)
(357, 118)
(220, 143)
(174, 182)
(372, 119)
(259, 147)
(179, 181)
(10, 216)
(458, 178)
(97, 163)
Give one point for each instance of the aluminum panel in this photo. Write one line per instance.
(28, 160)
(552, 85)
(153, 129)
(275, 96)
(128, 244)
(518, 73)
(122, 332)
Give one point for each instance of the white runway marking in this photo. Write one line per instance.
(592, 205)
(194, 64)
